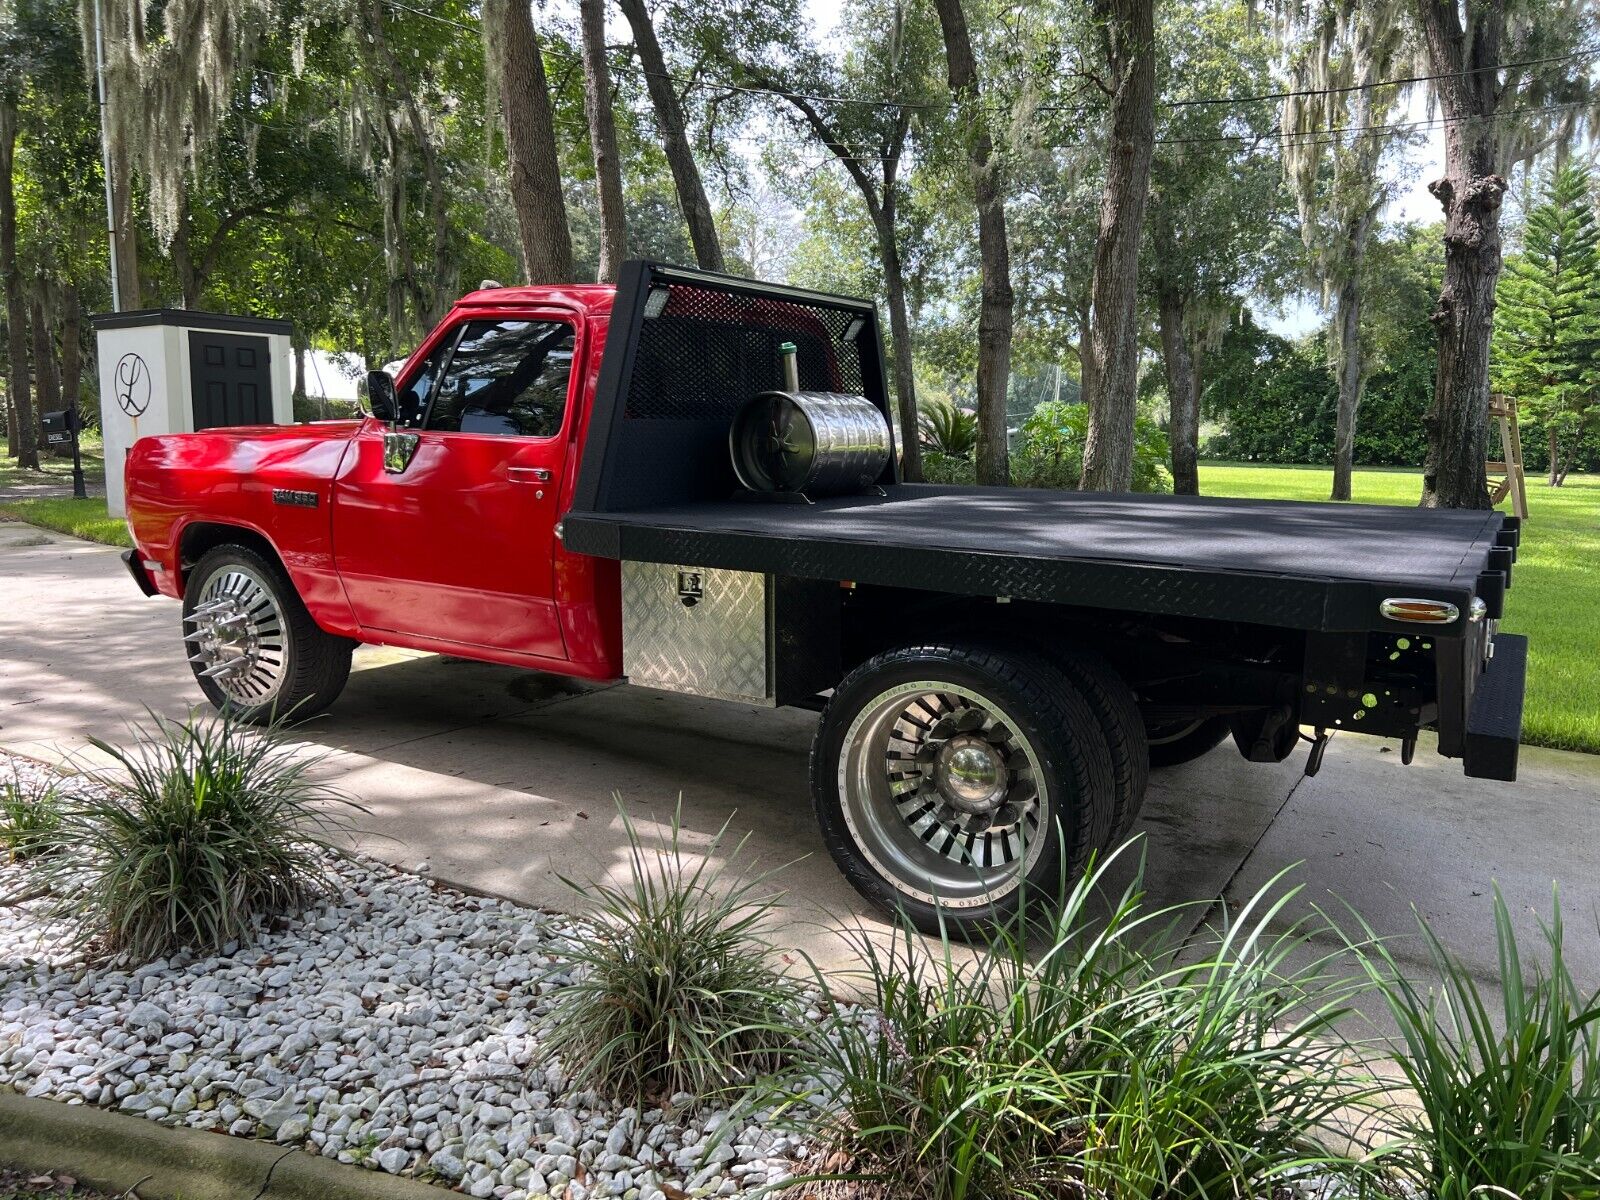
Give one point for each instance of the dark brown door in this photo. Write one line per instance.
(230, 379)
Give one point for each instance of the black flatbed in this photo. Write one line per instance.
(686, 349)
(1284, 563)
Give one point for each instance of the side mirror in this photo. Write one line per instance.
(381, 397)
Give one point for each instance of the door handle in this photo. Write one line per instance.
(528, 474)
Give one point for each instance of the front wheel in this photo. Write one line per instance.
(254, 648)
(949, 782)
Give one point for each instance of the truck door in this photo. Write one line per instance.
(452, 537)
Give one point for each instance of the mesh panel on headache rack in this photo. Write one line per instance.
(709, 351)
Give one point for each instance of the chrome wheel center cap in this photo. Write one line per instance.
(225, 632)
(971, 774)
(237, 636)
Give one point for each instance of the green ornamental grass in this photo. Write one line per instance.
(1509, 1093)
(30, 819)
(202, 830)
(1096, 1063)
(673, 992)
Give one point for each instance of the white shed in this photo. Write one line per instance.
(179, 370)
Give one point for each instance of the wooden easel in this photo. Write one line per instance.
(1512, 481)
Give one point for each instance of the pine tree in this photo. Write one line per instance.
(1547, 329)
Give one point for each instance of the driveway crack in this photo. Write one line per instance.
(1219, 905)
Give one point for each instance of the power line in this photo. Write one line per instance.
(1328, 136)
(1402, 81)
(1276, 136)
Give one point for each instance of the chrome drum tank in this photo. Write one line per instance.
(814, 443)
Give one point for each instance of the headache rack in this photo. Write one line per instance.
(684, 351)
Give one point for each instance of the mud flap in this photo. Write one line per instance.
(1494, 722)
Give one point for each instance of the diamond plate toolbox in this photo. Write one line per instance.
(704, 631)
(730, 635)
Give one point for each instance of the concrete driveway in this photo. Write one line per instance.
(504, 780)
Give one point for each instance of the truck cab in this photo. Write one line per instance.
(444, 512)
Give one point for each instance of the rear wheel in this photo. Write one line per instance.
(1184, 741)
(254, 648)
(1117, 712)
(949, 781)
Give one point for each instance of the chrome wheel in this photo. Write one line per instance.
(237, 634)
(943, 795)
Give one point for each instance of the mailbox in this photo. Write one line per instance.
(61, 426)
(181, 370)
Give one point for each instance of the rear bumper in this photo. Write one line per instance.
(1494, 718)
(130, 559)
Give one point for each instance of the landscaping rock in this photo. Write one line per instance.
(391, 1024)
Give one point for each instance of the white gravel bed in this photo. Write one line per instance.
(395, 1025)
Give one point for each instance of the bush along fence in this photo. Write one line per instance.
(182, 942)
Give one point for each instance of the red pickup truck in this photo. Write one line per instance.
(628, 483)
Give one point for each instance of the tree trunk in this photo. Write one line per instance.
(1348, 320)
(124, 232)
(532, 160)
(46, 382)
(183, 258)
(1183, 395)
(1465, 63)
(603, 140)
(47, 378)
(1130, 51)
(994, 251)
(1088, 366)
(894, 287)
(300, 397)
(17, 382)
(1569, 457)
(71, 347)
(1555, 456)
(674, 139)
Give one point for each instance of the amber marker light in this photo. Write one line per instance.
(1414, 611)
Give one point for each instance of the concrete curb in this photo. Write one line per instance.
(114, 1153)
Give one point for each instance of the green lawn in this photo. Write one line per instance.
(1555, 598)
(80, 518)
(56, 470)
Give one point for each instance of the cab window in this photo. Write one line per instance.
(506, 377)
(411, 401)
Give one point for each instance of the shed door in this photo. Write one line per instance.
(230, 379)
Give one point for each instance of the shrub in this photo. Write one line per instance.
(948, 430)
(204, 829)
(1103, 1066)
(673, 992)
(1050, 451)
(1509, 1099)
(29, 819)
(941, 468)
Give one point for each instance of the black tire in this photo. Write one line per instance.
(309, 665)
(1048, 728)
(1117, 711)
(1184, 741)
